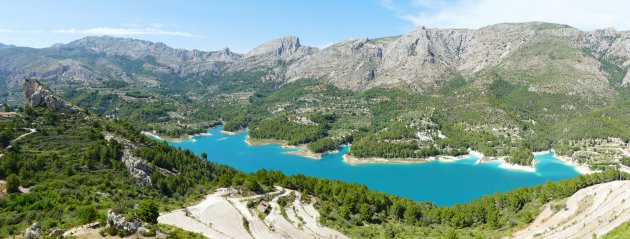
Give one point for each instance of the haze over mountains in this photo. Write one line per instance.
(547, 57)
(5, 46)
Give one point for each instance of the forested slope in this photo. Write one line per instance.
(74, 175)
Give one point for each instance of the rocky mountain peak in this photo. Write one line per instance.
(272, 55)
(226, 51)
(281, 47)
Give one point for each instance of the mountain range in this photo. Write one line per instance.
(571, 61)
(499, 92)
(500, 89)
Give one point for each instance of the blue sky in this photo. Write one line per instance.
(242, 25)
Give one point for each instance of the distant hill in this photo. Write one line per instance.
(2, 46)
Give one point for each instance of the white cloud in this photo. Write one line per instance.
(155, 29)
(583, 14)
(389, 4)
(6, 31)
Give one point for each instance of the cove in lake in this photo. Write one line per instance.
(444, 183)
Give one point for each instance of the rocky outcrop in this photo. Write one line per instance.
(37, 95)
(355, 61)
(281, 48)
(118, 222)
(55, 233)
(626, 79)
(138, 167)
(32, 232)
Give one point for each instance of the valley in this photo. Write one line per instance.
(510, 130)
(443, 182)
(500, 90)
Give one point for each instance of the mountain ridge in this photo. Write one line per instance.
(2, 46)
(420, 60)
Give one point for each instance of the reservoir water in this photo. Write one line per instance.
(444, 183)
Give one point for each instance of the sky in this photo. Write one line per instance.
(242, 25)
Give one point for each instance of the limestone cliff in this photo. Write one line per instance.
(37, 95)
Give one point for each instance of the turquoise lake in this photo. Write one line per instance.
(444, 183)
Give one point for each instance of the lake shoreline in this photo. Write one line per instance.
(349, 159)
(504, 164)
(303, 151)
(581, 168)
(170, 139)
(352, 160)
(231, 132)
(456, 181)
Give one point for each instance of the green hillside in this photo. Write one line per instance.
(74, 175)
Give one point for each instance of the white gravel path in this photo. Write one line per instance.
(30, 131)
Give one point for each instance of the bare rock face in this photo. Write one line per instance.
(55, 233)
(626, 80)
(273, 57)
(284, 47)
(426, 58)
(348, 64)
(138, 167)
(32, 232)
(118, 221)
(37, 95)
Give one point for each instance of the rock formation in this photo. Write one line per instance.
(55, 233)
(37, 95)
(118, 222)
(273, 57)
(138, 167)
(32, 232)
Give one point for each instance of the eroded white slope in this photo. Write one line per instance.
(594, 210)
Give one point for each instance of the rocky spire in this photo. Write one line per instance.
(37, 95)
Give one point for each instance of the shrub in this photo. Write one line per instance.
(13, 184)
(148, 211)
